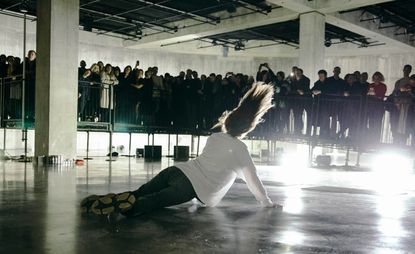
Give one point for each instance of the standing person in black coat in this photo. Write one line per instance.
(412, 110)
(148, 108)
(231, 90)
(195, 99)
(401, 100)
(179, 101)
(334, 90)
(208, 105)
(363, 80)
(85, 83)
(92, 107)
(202, 102)
(282, 90)
(158, 92)
(320, 104)
(3, 71)
(351, 111)
(190, 93)
(3, 66)
(125, 97)
(166, 100)
(137, 100)
(81, 68)
(300, 90)
(30, 85)
(13, 88)
(217, 97)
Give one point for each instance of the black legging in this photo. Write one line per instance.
(170, 187)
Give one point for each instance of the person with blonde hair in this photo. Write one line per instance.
(208, 177)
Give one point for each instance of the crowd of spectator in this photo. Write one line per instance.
(334, 107)
(147, 98)
(339, 108)
(11, 72)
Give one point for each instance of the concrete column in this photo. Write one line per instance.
(56, 77)
(312, 49)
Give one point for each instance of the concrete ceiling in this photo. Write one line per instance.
(254, 28)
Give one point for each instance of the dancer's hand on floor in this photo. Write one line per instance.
(271, 204)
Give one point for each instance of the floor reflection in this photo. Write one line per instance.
(39, 214)
(391, 209)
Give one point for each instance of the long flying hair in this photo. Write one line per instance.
(244, 118)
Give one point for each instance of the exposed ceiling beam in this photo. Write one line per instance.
(252, 49)
(92, 2)
(191, 30)
(256, 7)
(207, 19)
(299, 6)
(325, 6)
(129, 11)
(292, 8)
(11, 6)
(349, 21)
(331, 6)
(122, 20)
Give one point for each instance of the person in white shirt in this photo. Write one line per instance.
(208, 177)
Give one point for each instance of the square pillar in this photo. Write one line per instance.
(312, 49)
(56, 77)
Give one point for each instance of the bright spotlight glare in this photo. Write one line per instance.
(294, 202)
(294, 161)
(292, 237)
(393, 173)
(392, 162)
(297, 159)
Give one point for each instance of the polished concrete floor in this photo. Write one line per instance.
(332, 210)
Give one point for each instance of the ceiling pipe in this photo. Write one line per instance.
(205, 19)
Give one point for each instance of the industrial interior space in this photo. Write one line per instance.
(215, 126)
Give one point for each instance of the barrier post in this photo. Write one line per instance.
(198, 145)
(110, 123)
(129, 144)
(24, 128)
(87, 147)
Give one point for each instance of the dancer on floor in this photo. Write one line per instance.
(208, 177)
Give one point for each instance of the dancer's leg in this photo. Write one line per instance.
(159, 182)
(106, 202)
(169, 187)
(179, 190)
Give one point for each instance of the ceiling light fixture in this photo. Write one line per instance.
(24, 6)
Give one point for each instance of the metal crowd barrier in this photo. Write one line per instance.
(358, 123)
(17, 107)
(353, 121)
